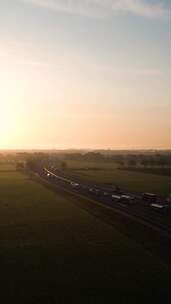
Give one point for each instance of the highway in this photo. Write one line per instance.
(137, 208)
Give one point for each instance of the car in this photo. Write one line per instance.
(73, 184)
(116, 197)
(93, 190)
(160, 208)
(149, 197)
(127, 199)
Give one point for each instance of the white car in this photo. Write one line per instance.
(127, 199)
(74, 184)
(116, 197)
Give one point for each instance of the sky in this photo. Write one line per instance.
(85, 74)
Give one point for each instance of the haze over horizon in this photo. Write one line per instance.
(85, 74)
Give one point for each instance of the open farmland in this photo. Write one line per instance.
(85, 164)
(7, 166)
(104, 172)
(48, 242)
(166, 171)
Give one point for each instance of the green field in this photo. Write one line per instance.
(131, 181)
(48, 242)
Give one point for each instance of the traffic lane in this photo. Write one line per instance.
(107, 200)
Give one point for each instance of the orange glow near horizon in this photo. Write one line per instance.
(72, 99)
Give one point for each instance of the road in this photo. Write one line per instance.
(137, 208)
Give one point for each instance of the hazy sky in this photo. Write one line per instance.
(85, 73)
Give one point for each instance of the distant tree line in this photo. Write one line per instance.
(52, 160)
(128, 160)
(37, 161)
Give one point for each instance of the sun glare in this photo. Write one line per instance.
(7, 127)
(8, 105)
(7, 116)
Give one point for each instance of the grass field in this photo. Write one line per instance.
(48, 242)
(7, 166)
(156, 171)
(127, 180)
(80, 164)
